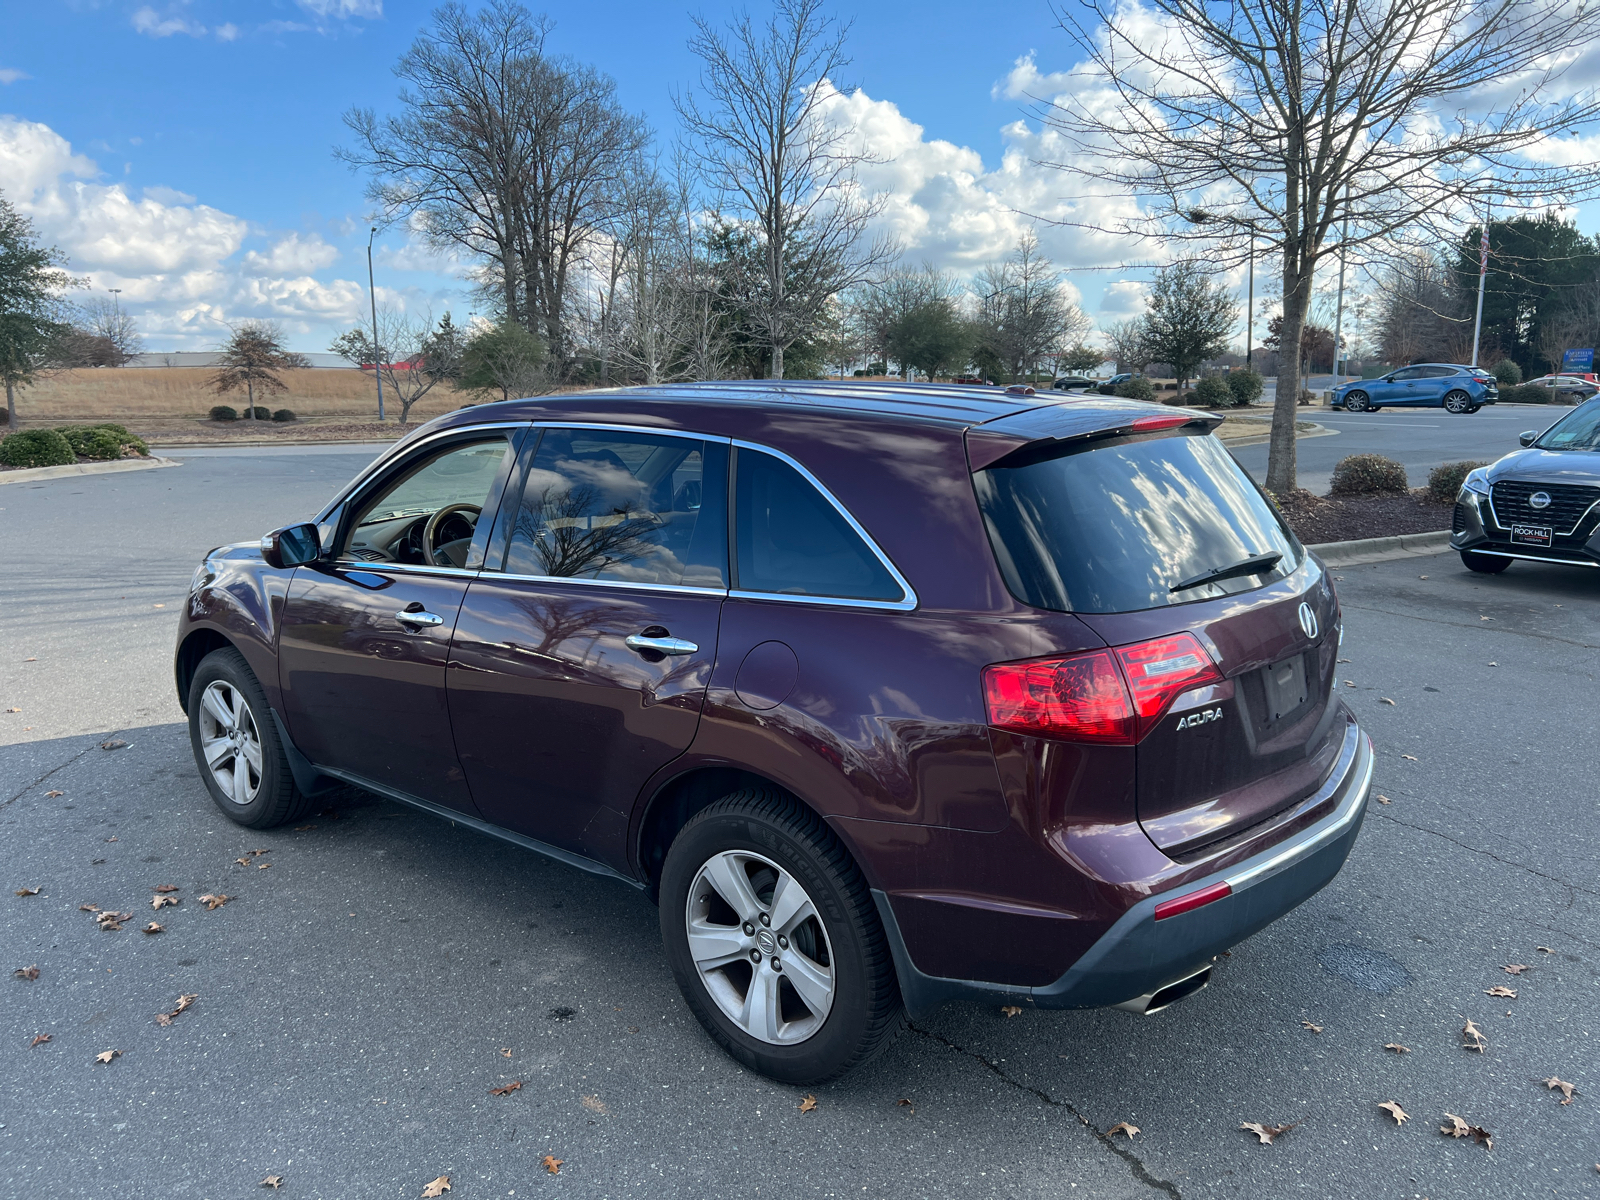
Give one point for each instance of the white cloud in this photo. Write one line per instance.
(182, 266)
(1122, 298)
(152, 24)
(340, 10)
(12, 75)
(227, 32)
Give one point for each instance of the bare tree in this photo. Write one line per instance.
(1418, 310)
(413, 353)
(775, 163)
(1283, 119)
(1022, 314)
(1125, 343)
(107, 319)
(253, 358)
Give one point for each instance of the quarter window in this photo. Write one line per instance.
(791, 541)
(624, 508)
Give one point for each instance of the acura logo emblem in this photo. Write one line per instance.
(1539, 500)
(1308, 621)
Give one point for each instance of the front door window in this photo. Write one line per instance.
(429, 514)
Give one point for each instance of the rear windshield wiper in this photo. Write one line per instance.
(1254, 565)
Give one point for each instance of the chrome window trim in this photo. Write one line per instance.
(390, 454)
(687, 435)
(380, 566)
(685, 589)
(906, 603)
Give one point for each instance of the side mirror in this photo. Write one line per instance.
(1528, 438)
(291, 546)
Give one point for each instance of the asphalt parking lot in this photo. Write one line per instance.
(358, 998)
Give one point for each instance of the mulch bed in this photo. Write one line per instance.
(1318, 519)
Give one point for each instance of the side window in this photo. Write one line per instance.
(428, 514)
(792, 541)
(623, 507)
(1439, 372)
(1407, 373)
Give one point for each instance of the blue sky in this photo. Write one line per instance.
(216, 119)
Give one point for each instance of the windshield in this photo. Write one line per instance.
(1578, 430)
(1115, 526)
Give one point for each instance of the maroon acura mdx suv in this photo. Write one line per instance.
(888, 695)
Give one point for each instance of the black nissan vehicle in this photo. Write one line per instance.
(1541, 502)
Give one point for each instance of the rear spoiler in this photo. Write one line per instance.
(1064, 424)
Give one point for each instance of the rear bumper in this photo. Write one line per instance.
(1140, 956)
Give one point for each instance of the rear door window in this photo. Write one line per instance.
(1116, 525)
(790, 540)
(623, 508)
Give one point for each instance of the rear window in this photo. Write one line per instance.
(1112, 527)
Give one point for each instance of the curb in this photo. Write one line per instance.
(1258, 439)
(1375, 550)
(94, 468)
(251, 443)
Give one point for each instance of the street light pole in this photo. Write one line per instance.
(377, 351)
(1483, 274)
(1250, 305)
(1338, 315)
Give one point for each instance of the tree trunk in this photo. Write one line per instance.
(777, 362)
(250, 399)
(1296, 300)
(11, 406)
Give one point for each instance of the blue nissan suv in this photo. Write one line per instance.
(1449, 386)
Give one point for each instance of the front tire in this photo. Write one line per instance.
(1458, 402)
(1484, 564)
(236, 744)
(773, 938)
(1357, 402)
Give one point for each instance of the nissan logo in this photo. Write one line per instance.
(1308, 621)
(1539, 500)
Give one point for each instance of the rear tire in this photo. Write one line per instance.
(1357, 402)
(237, 747)
(1484, 564)
(779, 850)
(1458, 402)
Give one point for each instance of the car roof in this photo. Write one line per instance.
(951, 406)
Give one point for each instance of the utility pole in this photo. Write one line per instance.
(1338, 312)
(1483, 274)
(377, 351)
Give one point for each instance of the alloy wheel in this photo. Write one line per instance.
(1356, 402)
(760, 948)
(1457, 402)
(230, 741)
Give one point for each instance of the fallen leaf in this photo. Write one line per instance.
(1474, 1039)
(1384, 800)
(1545, 949)
(1514, 969)
(1497, 990)
(303, 828)
(505, 1052)
(262, 866)
(216, 901)
(153, 928)
(1123, 1127)
(1385, 700)
(1267, 1132)
(88, 908)
(52, 795)
(113, 744)
(514, 1086)
(13, 710)
(36, 660)
(1397, 1047)
(1392, 1107)
(111, 839)
(273, 1181)
(184, 1002)
(906, 1104)
(1349, 683)
(594, 1104)
(1552, 1083)
(26, 972)
(1485, 618)
(106, 1056)
(808, 1103)
(158, 606)
(27, 891)
(1409, 757)
(161, 889)
(438, 1187)
(1494, 664)
(1421, 576)
(1310, 1026)
(163, 901)
(552, 1164)
(243, 862)
(40, 1039)
(1343, 660)
(1011, 1010)
(1460, 1129)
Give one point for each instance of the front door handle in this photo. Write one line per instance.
(421, 619)
(661, 645)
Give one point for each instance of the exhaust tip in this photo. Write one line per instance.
(1166, 996)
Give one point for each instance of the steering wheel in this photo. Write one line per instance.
(430, 531)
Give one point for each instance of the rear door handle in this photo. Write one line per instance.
(418, 620)
(661, 645)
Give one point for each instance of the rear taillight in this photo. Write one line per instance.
(1112, 696)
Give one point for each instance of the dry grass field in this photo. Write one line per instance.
(160, 398)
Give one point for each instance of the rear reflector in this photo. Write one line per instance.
(1113, 696)
(1194, 900)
